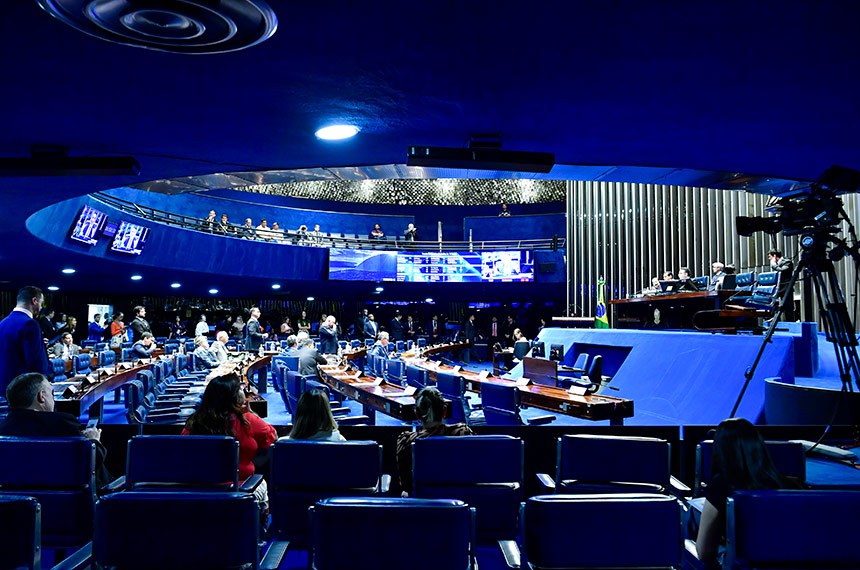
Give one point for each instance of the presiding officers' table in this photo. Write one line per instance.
(672, 311)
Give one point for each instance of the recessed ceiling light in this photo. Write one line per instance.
(428, 300)
(337, 132)
(213, 291)
(136, 277)
(380, 289)
(176, 285)
(310, 298)
(68, 270)
(53, 288)
(276, 285)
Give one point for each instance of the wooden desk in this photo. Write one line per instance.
(91, 399)
(674, 311)
(549, 398)
(390, 399)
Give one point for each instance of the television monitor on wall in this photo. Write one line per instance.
(439, 267)
(507, 266)
(361, 265)
(129, 238)
(87, 226)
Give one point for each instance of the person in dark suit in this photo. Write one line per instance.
(309, 358)
(717, 277)
(495, 332)
(46, 323)
(292, 346)
(434, 330)
(144, 347)
(31, 414)
(396, 327)
(371, 327)
(382, 348)
(508, 327)
(470, 333)
(140, 325)
(410, 233)
(785, 267)
(254, 335)
(65, 349)
(328, 335)
(21, 346)
(410, 330)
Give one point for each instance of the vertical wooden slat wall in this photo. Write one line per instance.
(629, 232)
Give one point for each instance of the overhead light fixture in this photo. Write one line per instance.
(480, 159)
(53, 288)
(337, 132)
(176, 285)
(428, 300)
(68, 270)
(276, 286)
(380, 289)
(53, 160)
(310, 298)
(136, 277)
(213, 291)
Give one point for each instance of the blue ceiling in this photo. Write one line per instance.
(764, 87)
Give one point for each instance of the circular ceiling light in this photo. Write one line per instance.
(337, 132)
(428, 300)
(380, 289)
(136, 277)
(53, 288)
(68, 270)
(176, 285)
(276, 286)
(213, 291)
(310, 298)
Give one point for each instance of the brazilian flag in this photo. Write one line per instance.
(601, 321)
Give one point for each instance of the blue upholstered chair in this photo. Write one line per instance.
(485, 471)
(107, 358)
(792, 529)
(635, 530)
(789, 457)
(171, 347)
(744, 281)
(501, 404)
(444, 527)
(417, 377)
(613, 464)
(395, 371)
(58, 369)
(81, 364)
(303, 472)
(100, 346)
(422, 342)
(60, 474)
(453, 388)
(701, 282)
(355, 343)
(21, 523)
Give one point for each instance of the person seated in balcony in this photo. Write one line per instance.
(225, 227)
(313, 420)
(302, 235)
(376, 232)
(263, 231)
(430, 411)
(65, 348)
(504, 213)
(219, 347)
(203, 359)
(410, 233)
(210, 222)
(277, 233)
(315, 236)
(740, 462)
(144, 347)
(381, 347)
(247, 231)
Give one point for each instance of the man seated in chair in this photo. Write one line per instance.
(380, 347)
(144, 347)
(218, 349)
(31, 414)
(65, 349)
(309, 358)
(203, 359)
(430, 410)
(292, 346)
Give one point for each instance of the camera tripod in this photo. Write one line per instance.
(838, 328)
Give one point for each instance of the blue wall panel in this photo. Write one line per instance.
(538, 226)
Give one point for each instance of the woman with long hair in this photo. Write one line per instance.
(740, 462)
(223, 411)
(313, 419)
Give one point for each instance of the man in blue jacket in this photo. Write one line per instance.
(21, 346)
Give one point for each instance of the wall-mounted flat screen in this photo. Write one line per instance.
(439, 267)
(87, 226)
(507, 266)
(361, 265)
(129, 238)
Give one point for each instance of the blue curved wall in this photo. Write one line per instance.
(169, 247)
(533, 226)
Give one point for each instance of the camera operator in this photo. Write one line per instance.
(784, 266)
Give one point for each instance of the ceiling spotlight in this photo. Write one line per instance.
(136, 277)
(337, 132)
(380, 289)
(213, 291)
(310, 298)
(176, 285)
(276, 285)
(428, 300)
(53, 288)
(68, 270)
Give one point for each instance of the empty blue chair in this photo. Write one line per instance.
(445, 526)
(417, 377)
(100, 346)
(744, 281)
(453, 388)
(125, 354)
(636, 530)
(107, 358)
(58, 369)
(81, 364)
(328, 469)
(701, 282)
(171, 347)
(283, 344)
(488, 476)
(422, 342)
(20, 541)
(355, 344)
(400, 346)
(189, 346)
(368, 342)
(342, 344)
(395, 371)
(501, 404)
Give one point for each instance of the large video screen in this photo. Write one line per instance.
(88, 224)
(439, 267)
(361, 265)
(507, 266)
(129, 238)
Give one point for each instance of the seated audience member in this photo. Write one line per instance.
(223, 411)
(315, 236)
(31, 414)
(430, 410)
(144, 347)
(313, 419)
(247, 231)
(218, 349)
(380, 347)
(65, 348)
(309, 358)
(263, 230)
(376, 232)
(292, 346)
(277, 233)
(302, 235)
(95, 330)
(740, 462)
(210, 222)
(410, 233)
(203, 359)
(504, 213)
(225, 227)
